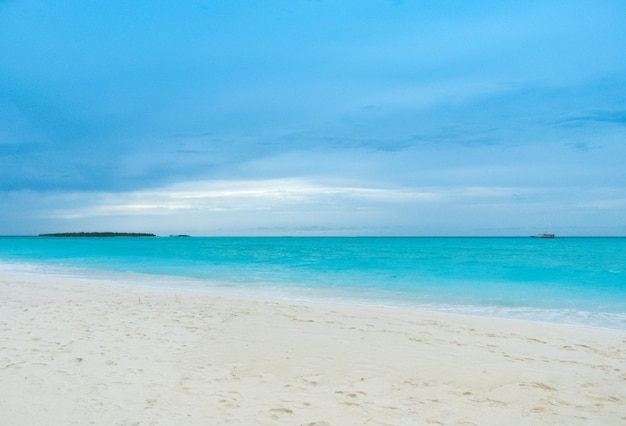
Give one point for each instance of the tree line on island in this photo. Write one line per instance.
(98, 234)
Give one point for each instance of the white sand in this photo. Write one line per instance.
(78, 352)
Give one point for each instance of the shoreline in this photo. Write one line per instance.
(76, 351)
(295, 294)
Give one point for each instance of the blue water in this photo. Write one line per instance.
(566, 280)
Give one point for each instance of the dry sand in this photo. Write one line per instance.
(78, 352)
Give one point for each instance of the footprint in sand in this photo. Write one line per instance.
(311, 380)
(350, 398)
(277, 413)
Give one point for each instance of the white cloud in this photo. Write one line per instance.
(236, 196)
(282, 206)
(307, 207)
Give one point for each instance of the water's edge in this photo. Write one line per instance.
(286, 293)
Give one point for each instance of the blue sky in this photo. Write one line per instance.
(313, 117)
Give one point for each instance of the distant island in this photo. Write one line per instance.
(98, 234)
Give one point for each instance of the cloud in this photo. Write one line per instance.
(279, 206)
(307, 207)
(600, 116)
(229, 196)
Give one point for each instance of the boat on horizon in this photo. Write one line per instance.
(543, 236)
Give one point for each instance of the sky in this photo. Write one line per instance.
(344, 117)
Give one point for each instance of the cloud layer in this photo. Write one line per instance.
(109, 111)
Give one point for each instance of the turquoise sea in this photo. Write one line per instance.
(566, 280)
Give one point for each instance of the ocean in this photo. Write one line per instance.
(579, 281)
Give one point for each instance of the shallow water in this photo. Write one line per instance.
(566, 280)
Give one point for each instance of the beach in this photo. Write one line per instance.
(91, 351)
